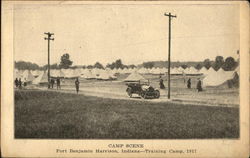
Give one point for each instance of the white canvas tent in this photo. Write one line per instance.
(27, 76)
(221, 71)
(65, 70)
(191, 71)
(203, 70)
(217, 78)
(164, 70)
(175, 71)
(96, 71)
(142, 70)
(158, 71)
(104, 76)
(78, 71)
(35, 73)
(111, 75)
(131, 70)
(210, 70)
(135, 77)
(89, 75)
(57, 73)
(41, 79)
(84, 72)
(237, 70)
(180, 69)
(17, 74)
(119, 70)
(71, 74)
(124, 71)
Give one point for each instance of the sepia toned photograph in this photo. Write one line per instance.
(125, 79)
(126, 71)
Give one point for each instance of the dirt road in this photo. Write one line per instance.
(108, 93)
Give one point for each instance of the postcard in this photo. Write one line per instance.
(125, 79)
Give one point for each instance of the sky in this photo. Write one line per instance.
(132, 33)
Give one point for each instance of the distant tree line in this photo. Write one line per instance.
(118, 64)
(228, 64)
(162, 64)
(22, 65)
(66, 63)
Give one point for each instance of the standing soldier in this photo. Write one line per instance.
(20, 83)
(189, 83)
(162, 86)
(52, 83)
(77, 85)
(58, 86)
(16, 83)
(199, 87)
(25, 82)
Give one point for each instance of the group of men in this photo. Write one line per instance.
(58, 84)
(198, 86)
(19, 83)
(52, 82)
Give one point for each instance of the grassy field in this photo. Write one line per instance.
(46, 114)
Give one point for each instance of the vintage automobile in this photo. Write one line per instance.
(143, 90)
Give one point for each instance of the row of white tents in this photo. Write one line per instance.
(42, 76)
(217, 78)
(71, 73)
(212, 77)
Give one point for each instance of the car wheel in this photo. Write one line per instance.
(157, 94)
(142, 95)
(129, 92)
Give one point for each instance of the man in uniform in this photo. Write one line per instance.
(52, 83)
(189, 83)
(20, 83)
(16, 83)
(58, 86)
(162, 86)
(77, 83)
(199, 86)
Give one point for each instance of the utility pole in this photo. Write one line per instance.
(48, 38)
(170, 16)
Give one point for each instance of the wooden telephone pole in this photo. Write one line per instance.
(170, 16)
(49, 38)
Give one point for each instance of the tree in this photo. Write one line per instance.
(90, 67)
(65, 61)
(54, 66)
(184, 66)
(109, 66)
(23, 65)
(131, 66)
(117, 64)
(229, 64)
(149, 65)
(198, 66)
(207, 63)
(98, 65)
(219, 61)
